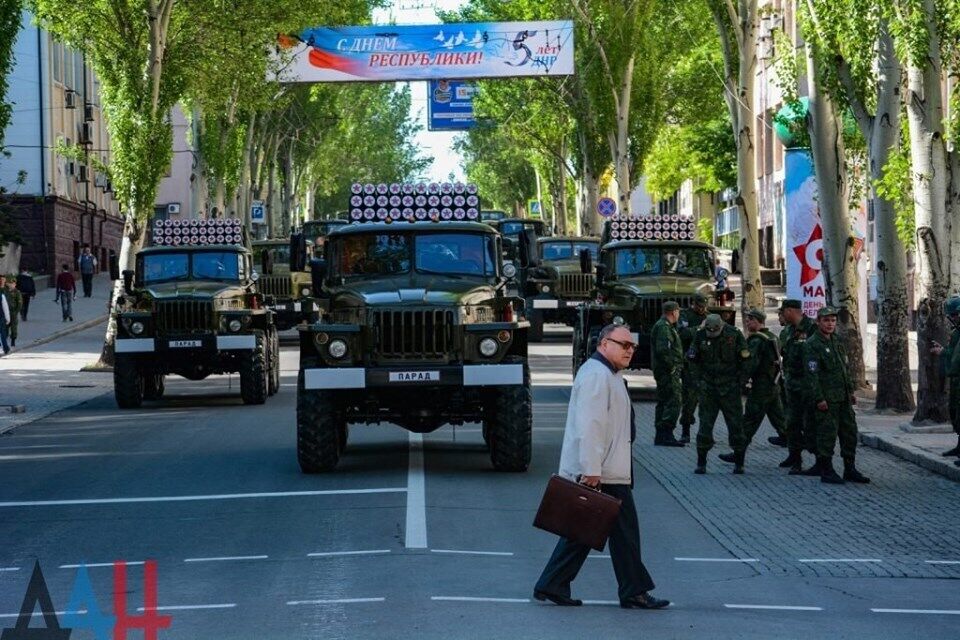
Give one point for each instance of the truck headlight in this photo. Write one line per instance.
(488, 347)
(545, 288)
(305, 291)
(618, 320)
(337, 349)
(234, 325)
(136, 328)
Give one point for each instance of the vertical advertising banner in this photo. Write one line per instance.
(804, 235)
(450, 105)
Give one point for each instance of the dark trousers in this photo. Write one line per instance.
(4, 346)
(632, 577)
(25, 309)
(87, 284)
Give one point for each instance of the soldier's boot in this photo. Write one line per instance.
(738, 462)
(701, 463)
(851, 474)
(792, 460)
(728, 457)
(684, 433)
(665, 438)
(827, 473)
(955, 451)
(813, 471)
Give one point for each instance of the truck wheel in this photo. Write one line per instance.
(253, 373)
(153, 387)
(320, 430)
(274, 362)
(127, 383)
(535, 332)
(511, 426)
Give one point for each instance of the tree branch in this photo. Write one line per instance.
(734, 18)
(729, 84)
(608, 71)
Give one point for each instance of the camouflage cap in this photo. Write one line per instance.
(670, 305)
(826, 311)
(699, 298)
(757, 314)
(790, 303)
(713, 325)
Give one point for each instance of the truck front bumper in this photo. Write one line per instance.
(185, 344)
(478, 375)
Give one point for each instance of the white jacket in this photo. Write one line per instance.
(596, 441)
(4, 310)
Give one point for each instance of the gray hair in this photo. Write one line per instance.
(609, 329)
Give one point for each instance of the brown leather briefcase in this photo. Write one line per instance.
(577, 512)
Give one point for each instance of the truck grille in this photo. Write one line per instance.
(184, 316)
(278, 286)
(419, 335)
(652, 308)
(575, 285)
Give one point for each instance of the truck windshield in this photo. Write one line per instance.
(566, 250)
(373, 255)
(201, 265)
(455, 254)
(683, 261)
(435, 253)
(280, 253)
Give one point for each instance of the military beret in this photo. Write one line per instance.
(670, 305)
(826, 311)
(757, 314)
(790, 303)
(699, 298)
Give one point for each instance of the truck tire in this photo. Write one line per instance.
(253, 373)
(127, 383)
(511, 425)
(153, 386)
(274, 385)
(535, 332)
(320, 430)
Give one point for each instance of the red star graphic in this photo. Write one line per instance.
(808, 273)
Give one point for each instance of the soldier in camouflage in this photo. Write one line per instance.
(830, 390)
(666, 354)
(799, 413)
(690, 320)
(763, 371)
(719, 357)
(950, 361)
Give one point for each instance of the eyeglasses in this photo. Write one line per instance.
(626, 346)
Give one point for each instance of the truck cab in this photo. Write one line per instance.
(554, 286)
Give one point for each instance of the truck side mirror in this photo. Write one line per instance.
(601, 273)
(586, 261)
(318, 272)
(266, 262)
(114, 264)
(128, 281)
(527, 249)
(298, 252)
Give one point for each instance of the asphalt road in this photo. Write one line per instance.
(412, 539)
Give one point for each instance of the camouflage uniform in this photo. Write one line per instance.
(950, 360)
(720, 366)
(800, 424)
(667, 359)
(690, 321)
(15, 301)
(763, 399)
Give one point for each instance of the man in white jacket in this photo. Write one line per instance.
(597, 451)
(5, 317)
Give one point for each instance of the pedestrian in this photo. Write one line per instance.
(66, 291)
(763, 392)
(28, 289)
(87, 265)
(597, 452)
(830, 390)
(690, 320)
(4, 316)
(15, 302)
(950, 361)
(719, 357)
(801, 426)
(666, 351)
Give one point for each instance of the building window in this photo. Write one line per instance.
(79, 72)
(57, 55)
(68, 78)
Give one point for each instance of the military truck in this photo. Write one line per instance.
(643, 262)
(192, 308)
(416, 330)
(287, 301)
(490, 215)
(553, 285)
(512, 229)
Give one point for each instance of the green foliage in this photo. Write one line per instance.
(896, 186)
(705, 230)
(703, 152)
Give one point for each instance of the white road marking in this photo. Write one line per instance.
(9, 568)
(942, 561)
(772, 607)
(37, 614)
(189, 607)
(475, 599)
(226, 558)
(717, 560)
(91, 565)
(601, 602)
(597, 555)
(809, 560)
(473, 553)
(326, 554)
(416, 532)
(294, 603)
(220, 496)
(943, 612)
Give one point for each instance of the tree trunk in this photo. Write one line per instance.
(288, 189)
(132, 242)
(199, 192)
(833, 192)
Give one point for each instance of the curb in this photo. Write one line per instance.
(59, 334)
(943, 467)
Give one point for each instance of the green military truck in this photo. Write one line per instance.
(289, 303)
(416, 330)
(192, 308)
(643, 262)
(553, 285)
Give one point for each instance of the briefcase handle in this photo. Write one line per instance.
(586, 486)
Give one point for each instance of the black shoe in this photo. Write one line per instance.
(667, 441)
(953, 452)
(728, 457)
(791, 460)
(738, 459)
(701, 463)
(828, 475)
(557, 599)
(813, 471)
(777, 441)
(644, 601)
(684, 434)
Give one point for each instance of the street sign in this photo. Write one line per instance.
(533, 208)
(450, 105)
(606, 207)
(258, 212)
